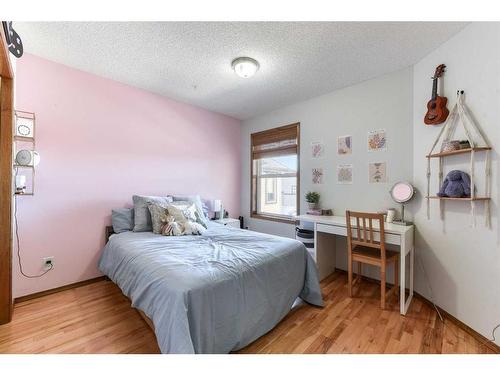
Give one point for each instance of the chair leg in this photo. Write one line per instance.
(382, 287)
(359, 269)
(349, 272)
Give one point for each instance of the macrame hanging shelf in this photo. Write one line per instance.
(478, 143)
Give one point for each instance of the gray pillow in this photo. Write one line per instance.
(199, 206)
(142, 216)
(122, 219)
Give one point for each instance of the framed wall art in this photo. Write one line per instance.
(377, 172)
(344, 145)
(344, 174)
(317, 150)
(377, 140)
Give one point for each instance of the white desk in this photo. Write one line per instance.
(324, 247)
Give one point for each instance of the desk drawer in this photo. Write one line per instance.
(390, 238)
(332, 229)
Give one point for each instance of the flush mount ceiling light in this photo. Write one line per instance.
(245, 67)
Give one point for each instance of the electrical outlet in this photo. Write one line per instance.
(48, 263)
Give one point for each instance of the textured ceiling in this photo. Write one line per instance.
(191, 61)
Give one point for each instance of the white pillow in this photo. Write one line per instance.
(181, 220)
(196, 199)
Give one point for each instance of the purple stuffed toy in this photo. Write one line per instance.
(455, 185)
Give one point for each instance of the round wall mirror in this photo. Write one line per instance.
(402, 192)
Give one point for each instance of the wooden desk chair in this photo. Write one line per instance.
(362, 248)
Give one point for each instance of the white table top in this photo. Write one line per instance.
(340, 221)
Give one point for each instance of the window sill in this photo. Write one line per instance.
(279, 219)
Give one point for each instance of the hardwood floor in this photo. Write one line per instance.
(97, 318)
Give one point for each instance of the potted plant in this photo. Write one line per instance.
(312, 199)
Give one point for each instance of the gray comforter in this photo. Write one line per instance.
(212, 293)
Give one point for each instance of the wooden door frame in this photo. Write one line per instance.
(6, 187)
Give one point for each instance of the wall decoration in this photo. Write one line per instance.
(344, 145)
(317, 149)
(12, 39)
(344, 174)
(377, 172)
(436, 107)
(317, 176)
(377, 140)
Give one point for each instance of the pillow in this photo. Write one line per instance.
(142, 216)
(158, 213)
(177, 220)
(203, 220)
(204, 207)
(122, 219)
(194, 214)
(183, 211)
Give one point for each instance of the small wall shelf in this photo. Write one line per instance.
(456, 152)
(20, 138)
(24, 139)
(468, 199)
(478, 143)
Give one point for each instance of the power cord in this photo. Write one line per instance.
(430, 289)
(493, 333)
(19, 247)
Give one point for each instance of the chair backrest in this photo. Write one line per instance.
(364, 232)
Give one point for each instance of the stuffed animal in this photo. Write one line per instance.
(172, 227)
(455, 185)
(192, 227)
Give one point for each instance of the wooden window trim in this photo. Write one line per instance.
(276, 133)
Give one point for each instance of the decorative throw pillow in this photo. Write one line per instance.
(182, 211)
(196, 199)
(195, 213)
(180, 219)
(158, 213)
(142, 216)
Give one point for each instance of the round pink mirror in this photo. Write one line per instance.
(402, 192)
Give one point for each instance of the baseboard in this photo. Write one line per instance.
(59, 289)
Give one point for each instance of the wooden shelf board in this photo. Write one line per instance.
(461, 199)
(24, 166)
(456, 152)
(24, 139)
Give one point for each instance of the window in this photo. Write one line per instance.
(271, 186)
(275, 173)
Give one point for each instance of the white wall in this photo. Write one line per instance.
(462, 263)
(384, 102)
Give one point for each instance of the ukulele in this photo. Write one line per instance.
(436, 107)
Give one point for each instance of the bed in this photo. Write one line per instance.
(213, 293)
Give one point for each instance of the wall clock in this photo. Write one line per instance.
(25, 127)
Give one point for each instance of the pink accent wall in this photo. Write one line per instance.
(100, 142)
